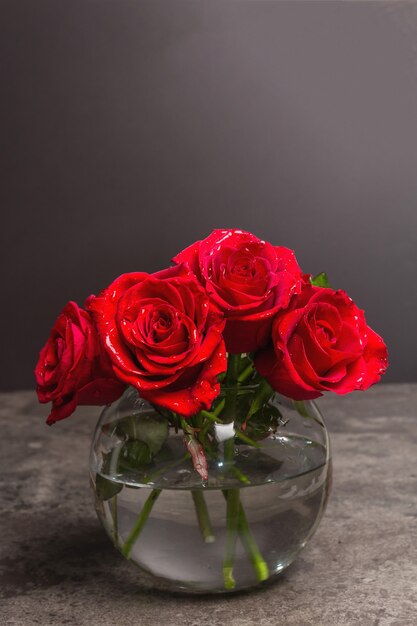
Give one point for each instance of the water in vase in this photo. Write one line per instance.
(283, 498)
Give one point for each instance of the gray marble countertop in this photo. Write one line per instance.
(57, 566)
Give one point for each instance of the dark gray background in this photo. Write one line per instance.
(130, 128)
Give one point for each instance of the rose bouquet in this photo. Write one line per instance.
(207, 343)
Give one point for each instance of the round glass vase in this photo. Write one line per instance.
(264, 494)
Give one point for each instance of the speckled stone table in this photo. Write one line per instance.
(57, 566)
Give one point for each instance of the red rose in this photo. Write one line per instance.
(322, 343)
(72, 368)
(248, 279)
(164, 337)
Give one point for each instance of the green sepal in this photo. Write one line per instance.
(320, 280)
(106, 489)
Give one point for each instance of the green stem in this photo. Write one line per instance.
(229, 412)
(232, 521)
(219, 408)
(232, 495)
(211, 415)
(233, 362)
(245, 374)
(229, 451)
(203, 516)
(133, 424)
(239, 475)
(140, 522)
(234, 507)
(251, 547)
(240, 435)
(300, 407)
(113, 507)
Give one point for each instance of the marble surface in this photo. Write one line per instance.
(57, 566)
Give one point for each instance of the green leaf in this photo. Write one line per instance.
(150, 429)
(134, 455)
(320, 280)
(263, 422)
(262, 395)
(105, 488)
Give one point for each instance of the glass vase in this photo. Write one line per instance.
(231, 525)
